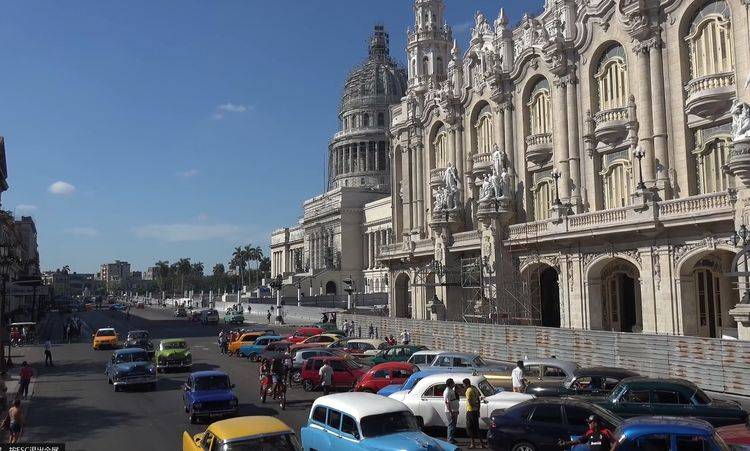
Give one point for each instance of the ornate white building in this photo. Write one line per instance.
(340, 231)
(578, 169)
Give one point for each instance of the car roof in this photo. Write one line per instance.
(130, 351)
(365, 340)
(269, 336)
(243, 427)
(638, 426)
(360, 405)
(105, 328)
(429, 352)
(604, 371)
(172, 340)
(441, 377)
(208, 373)
(648, 382)
(466, 355)
(565, 364)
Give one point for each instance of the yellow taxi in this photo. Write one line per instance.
(246, 338)
(243, 433)
(105, 337)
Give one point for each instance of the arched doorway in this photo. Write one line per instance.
(549, 292)
(621, 310)
(330, 287)
(402, 296)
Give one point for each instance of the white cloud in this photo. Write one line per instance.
(82, 231)
(228, 107)
(25, 209)
(202, 217)
(180, 232)
(61, 188)
(189, 173)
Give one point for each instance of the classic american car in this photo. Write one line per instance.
(105, 337)
(736, 435)
(426, 399)
(246, 338)
(363, 421)
(360, 347)
(234, 317)
(173, 353)
(639, 396)
(208, 394)
(244, 433)
(414, 378)
(252, 351)
(498, 373)
(128, 367)
(317, 341)
(302, 333)
(594, 381)
(346, 372)
(399, 353)
(385, 374)
(139, 339)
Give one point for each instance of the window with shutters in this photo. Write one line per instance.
(710, 41)
(612, 79)
(540, 113)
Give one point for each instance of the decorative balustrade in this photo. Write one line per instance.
(539, 147)
(597, 218)
(466, 237)
(436, 176)
(611, 115)
(698, 85)
(528, 228)
(539, 138)
(696, 204)
(362, 131)
(424, 245)
(391, 248)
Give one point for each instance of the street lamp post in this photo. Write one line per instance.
(6, 261)
(639, 153)
(299, 293)
(556, 174)
(349, 290)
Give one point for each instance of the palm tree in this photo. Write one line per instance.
(196, 274)
(183, 268)
(239, 260)
(162, 273)
(253, 254)
(219, 273)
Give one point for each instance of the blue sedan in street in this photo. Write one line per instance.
(131, 366)
(208, 394)
(252, 351)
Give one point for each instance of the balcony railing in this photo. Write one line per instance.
(465, 238)
(539, 138)
(598, 218)
(696, 204)
(528, 228)
(611, 115)
(713, 81)
(436, 176)
(539, 147)
(710, 95)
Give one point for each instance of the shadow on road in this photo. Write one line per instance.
(62, 413)
(252, 409)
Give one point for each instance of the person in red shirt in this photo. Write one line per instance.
(26, 374)
(597, 438)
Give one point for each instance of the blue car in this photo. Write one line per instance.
(412, 381)
(131, 366)
(639, 433)
(208, 394)
(252, 351)
(365, 421)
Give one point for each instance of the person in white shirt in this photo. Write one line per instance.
(48, 353)
(326, 377)
(450, 398)
(516, 377)
(405, 337)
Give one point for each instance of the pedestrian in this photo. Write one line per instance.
(516, 377)
(472, 414)
(450, 398)
(268, 316)
(3, 393)
(48, 353)
(371, 332)
(598, 438)
(15, 424)
(351, 328)
(405, 337)
(288, 366)
(326, 377)
(25, 379)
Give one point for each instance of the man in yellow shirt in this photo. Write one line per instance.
(472, 414)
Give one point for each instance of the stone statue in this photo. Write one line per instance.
(441, 200)
(740, 121)
(504, 185)
(452, 187)
(486, 192)
(498, 159)
(480, 24)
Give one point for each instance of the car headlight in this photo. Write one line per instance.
(151, 369)
(197, 406)
(233, 402)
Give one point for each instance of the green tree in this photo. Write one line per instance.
(219, 274)
(253, 254)
(163, 273)
(239, 261)
(182, 269)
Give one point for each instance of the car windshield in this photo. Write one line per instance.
(701, 398)
(486, 388)
(568, 380)
(284, 442)
(619, 390)
(212, 383)
(137, 335)
(105, 333)
(172, 345)
(479, 362)
(132, 357)
(388, 423)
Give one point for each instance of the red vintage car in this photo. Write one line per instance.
(346, 372)
(385, 374)
(736, 436)
(303, 333)
(317, 341)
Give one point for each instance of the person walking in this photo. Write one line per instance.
(48, 353)
(472, 414)
(326, 377)
(405, 337)
(25, 379)
(268, 316)
(371, 332)
(15, 423)
(450, 398)
(517, 379)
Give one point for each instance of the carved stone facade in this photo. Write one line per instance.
(615, 127)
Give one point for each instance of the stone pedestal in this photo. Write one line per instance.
(739, 160)
(494, 216)
(741, 314)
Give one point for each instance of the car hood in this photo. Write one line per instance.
(105, 338)
(131, 366)
(509, 396)
(390, 389)
(213, 395)
(406, 441)
(399, 395)
(178, 353)
(724, 404)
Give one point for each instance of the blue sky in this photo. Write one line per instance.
(179, 128)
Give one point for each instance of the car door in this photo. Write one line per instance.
(670, 403)
(444, 361)
(349, 434)
(341, 375)
(632, 403)
(576, 420)
(552, 375)
(379, 379)
(547, 425)
(431, 406)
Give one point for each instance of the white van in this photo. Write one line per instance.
(424, 359)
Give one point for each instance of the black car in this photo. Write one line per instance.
(538, 424)
(595, 381)
(139, 339)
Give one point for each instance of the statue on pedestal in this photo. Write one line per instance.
(740, 121)
(441, 201)
(452, 187)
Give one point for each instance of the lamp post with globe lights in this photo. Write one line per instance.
(639, 153)
(556, 174)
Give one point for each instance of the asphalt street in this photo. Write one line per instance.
(73, 403)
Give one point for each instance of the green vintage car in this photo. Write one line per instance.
(232, 317)
(173, 353)
(637, 396)
(400, 353)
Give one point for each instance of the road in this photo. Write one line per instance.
(72, 402)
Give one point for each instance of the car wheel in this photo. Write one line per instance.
(117, 388)
(307, 385)
(296, 377)
(523, 446)
(253, 357)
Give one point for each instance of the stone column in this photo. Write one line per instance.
(460, 155)
(362, 156)
(560, 136)
(643, 110)
(371, 250)
(574, 146)
(508, 134)
(498, 123)
(406, 187)
(658, 104)
(420, 186)
(368, 152)
(376, 249)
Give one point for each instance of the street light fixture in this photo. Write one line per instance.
(556, 174)
(639, 153)
(6, 262)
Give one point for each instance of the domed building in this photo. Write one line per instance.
(341, 229)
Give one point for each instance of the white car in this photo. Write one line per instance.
(426, 399)
(424, 359)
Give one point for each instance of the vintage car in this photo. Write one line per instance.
(209, 316)
(302, 333)
(385, 374)
(233, 317)
(638, 396)
(140, 305)
(399, 353)
(736, 435)
(346, 372)
(426, 399)
(412, 380)
(498, 373)
(275, 350)
(360, 347)
(180, 312)
(208, 394)
(105, 337)
(245, 338)
(540, 423)
(424, 359)
(128, 367)
(244, 433)
(363, 421)
(299, 357)
(594, 381)
(543, 371)
(317, 341)
(252, 351)
(665, 433)
(139, 339)
(173, 353)
(118, 307)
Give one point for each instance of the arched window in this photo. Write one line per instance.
(365, 120)
(381, 119)
(543, 193)
(440, 148)
(439, 65)
(484, 130)
(540, 115)
(616, 179)
(711, 154)
(425, 66)
(710, 41)
(612, 79)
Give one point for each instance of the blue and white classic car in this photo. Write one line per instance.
(365, 421)
(131, 366)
